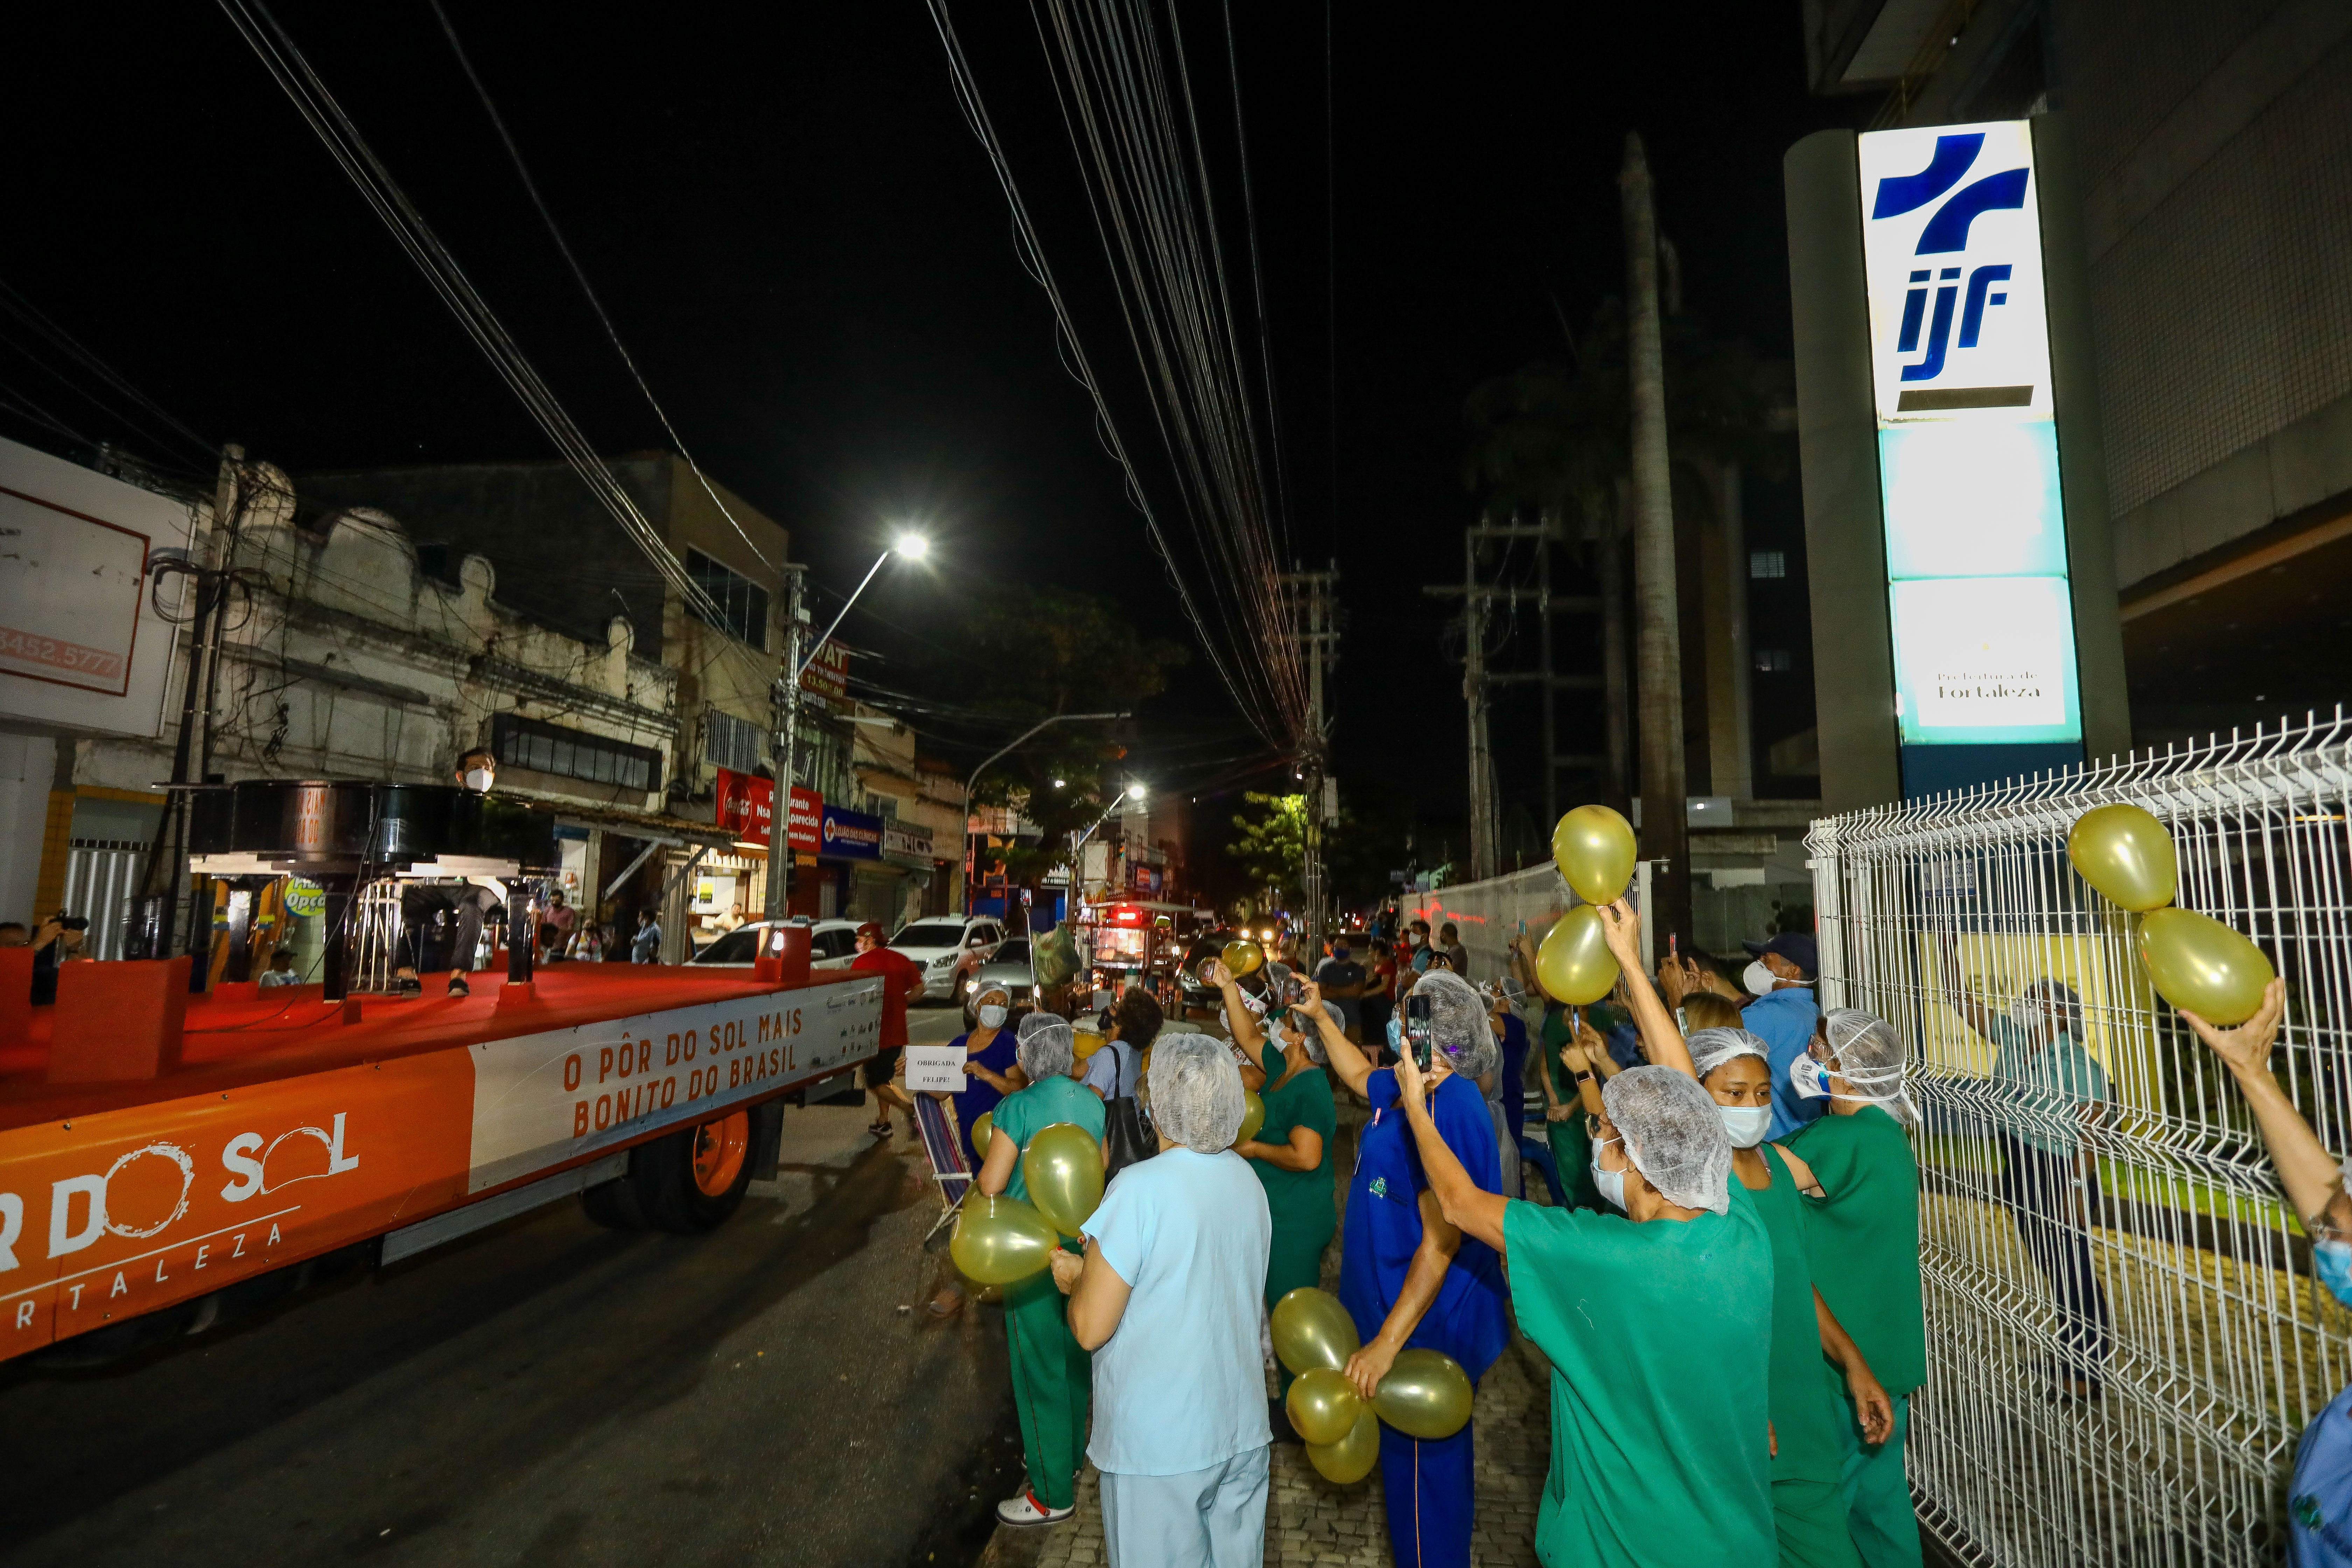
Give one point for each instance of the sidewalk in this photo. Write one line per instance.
(1310, 1522)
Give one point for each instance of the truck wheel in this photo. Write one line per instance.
(692, 1181)
(614, 1204)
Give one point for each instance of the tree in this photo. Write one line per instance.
(1032, 652)
(1271, 845)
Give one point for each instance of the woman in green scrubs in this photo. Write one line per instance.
(1660, 1437)
(1292, 1150)
(1862, 1233)
(1808, 1513)
(1051, 1378)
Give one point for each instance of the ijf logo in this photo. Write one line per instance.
(1953, 252)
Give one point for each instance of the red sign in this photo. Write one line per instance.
(806, 829)
(746, 808)
(827, 674)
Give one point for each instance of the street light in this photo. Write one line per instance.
(1055, 718)
(914, 547)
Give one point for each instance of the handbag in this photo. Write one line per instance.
(1128, 1134)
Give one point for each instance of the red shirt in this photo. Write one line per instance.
(899, 975)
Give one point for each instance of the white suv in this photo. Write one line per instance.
(940, 943)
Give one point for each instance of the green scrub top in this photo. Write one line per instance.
(1303, 1202)
(1659, 1397)
(1805, 1415)
(1022, 1115)
(1571, 1147)
(1862, 1239)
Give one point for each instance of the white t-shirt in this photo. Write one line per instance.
(1179, 1386)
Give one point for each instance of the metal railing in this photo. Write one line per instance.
(2119, 1377)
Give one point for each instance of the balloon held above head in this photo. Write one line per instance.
(1593, 848)
(2126, 855)
(1574, 965)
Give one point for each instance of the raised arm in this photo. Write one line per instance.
(1346, 1059)
(1661, 1041)
(2314, 1181)
(1240, 1022)
(1971, 1007)
(1462, 1204)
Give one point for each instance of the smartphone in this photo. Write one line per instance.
(1416, 1029)
(1294, 991)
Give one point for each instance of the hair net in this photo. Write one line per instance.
(1869, 1056)
(2062, 998)
(1710, 1048)
(1673, 1134)
(1196, 1092)
(1458, 1023)
(1046, 1047)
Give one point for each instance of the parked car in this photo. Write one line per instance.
(1007, 967)
(832, 944)
(940, 942)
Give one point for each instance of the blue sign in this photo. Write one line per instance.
(846, 835)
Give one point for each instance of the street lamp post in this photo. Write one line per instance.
(914, 547)
(968, 784)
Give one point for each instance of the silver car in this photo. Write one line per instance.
(1009, 968)
(832, 945)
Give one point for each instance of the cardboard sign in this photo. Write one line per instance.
(936, 1068)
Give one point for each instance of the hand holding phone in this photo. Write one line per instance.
(1417, 1014)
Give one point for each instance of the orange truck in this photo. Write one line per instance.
(168, 1160)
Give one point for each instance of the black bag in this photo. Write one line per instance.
(1128, 1134)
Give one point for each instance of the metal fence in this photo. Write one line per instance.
(2148, 1412)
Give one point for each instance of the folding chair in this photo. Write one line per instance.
(943, 1143)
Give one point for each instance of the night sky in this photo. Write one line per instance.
(806, 250)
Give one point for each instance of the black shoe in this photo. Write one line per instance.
(408, 985)
(457, 986)
(1279, 1417)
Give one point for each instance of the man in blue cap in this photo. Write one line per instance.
(1782, 1016)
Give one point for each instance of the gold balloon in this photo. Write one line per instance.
(1593, 848)
(2126, 853)
(1253, 1115)
(1242, 958)
(1426, 1395)
(1352, 1459)
(1574, 965)
(1063, 1169)
(982, 1131)
(1311, 1329)
(2199, 964)
(999, 1240)
(1323, 1405)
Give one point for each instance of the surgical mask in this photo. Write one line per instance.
(992, 1016)
(2332, 1261)
(1396, 1033)
(478, 780)
(1610, 1183)
(1808, 1079)
(1746, 1124)
(1759, 980)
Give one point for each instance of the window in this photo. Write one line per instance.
(739, 946)
(1763, 564)
(1014, 952)
(742, 603)
(931, 934)
(731, 743)
(1772, 660)
(834, 943)
(545, 748)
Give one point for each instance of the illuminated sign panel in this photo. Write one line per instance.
(1969, 460)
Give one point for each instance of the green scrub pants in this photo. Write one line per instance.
(1809, 1519)
(1293, 1263)
(1052, 1378)
(1885, 1527)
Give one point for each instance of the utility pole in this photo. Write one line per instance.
(1484, 816)
(1321, 643)
(1665, 831)
(788, 715)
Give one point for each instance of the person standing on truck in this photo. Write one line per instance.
(902, 982)
(1053, 1377)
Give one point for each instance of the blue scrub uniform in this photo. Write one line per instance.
(1429, 1486)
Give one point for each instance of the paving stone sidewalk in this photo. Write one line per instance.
(1309, 1521)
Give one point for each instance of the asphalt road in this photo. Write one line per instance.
(551, 1392)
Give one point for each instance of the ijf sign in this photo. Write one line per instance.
(1968, 444)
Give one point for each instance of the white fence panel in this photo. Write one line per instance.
(2119, 1375)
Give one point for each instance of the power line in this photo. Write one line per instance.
(334, 128)
(580, 276)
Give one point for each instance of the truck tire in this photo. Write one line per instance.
(613, 1205)
(690, 1181)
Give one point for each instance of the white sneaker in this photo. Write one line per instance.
(1026, 1510)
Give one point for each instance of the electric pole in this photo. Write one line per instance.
(788, 714)
(1665, 830)
(1320, 641)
